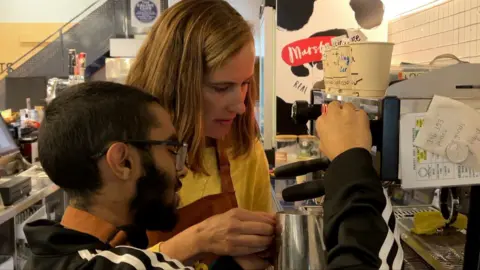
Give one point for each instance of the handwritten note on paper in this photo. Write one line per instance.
(448, 122)
(422, 169)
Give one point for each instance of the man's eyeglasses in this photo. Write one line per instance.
(179, 149)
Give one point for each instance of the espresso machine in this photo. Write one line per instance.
(444, 250)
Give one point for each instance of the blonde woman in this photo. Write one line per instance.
(199, 61)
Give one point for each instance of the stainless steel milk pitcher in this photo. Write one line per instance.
(299, 241)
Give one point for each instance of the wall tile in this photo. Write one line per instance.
(461, 19)
(473, 32)
(452, 27)
(461, 35)
(473, 48)
(473, 16)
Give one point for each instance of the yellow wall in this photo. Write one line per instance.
(16, 39)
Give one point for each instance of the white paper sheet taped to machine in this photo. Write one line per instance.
(421, 169)
(451, 129)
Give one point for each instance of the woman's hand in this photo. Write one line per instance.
(252, 262)
(237, 232)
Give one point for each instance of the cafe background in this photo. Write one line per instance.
(25, 24)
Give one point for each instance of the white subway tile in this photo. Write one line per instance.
(444, 10)
(478, 31)
(435, 40)
(406, 23)
(401, 25)
(466, 49)
(443, 24)
(418, 32)
(455, 50)
(449, 49)
(425, 30)
(473, 48)
(428, 43)
(461, 35)
(434, 27)
(441, 40)
(455, 36)
(450, 38)
(435, 13)
(422, 18)
(461, 19)
(473, 16)
(473, 32)
(467, 18)
(461, 50)
(451, 23)
(456, 20)
(468, 33)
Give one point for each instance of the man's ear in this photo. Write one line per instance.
(119, 159)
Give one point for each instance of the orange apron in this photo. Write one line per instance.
(204, 208)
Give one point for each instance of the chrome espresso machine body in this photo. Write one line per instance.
(447, 250)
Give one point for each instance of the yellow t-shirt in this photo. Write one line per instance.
(250, 177)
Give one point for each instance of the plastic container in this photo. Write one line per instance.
(308, 147)
(286, 149)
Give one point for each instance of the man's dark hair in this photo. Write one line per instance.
(81, 122)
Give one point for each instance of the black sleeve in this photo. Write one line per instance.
(360, 230)
(127, 258)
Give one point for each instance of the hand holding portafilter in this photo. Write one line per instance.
(343, 129)
(302, 112)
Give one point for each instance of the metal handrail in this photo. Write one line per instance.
(52, 35)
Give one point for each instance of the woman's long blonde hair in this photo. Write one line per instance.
(190, 40)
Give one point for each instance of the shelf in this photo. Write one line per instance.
(35, 196)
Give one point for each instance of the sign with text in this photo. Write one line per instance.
(305, 31)
(6, 67)
(144, 13)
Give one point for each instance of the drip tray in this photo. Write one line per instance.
(443, 251)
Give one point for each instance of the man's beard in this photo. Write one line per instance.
(151, 210)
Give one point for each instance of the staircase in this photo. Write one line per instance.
(98, 23)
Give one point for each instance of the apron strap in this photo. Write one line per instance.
(224, 169)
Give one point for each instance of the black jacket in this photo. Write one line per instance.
(359, 230)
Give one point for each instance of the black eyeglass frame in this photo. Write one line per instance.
(181, 150)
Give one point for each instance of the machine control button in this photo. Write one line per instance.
(457, 152)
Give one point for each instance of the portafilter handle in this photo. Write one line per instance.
(302, 111)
